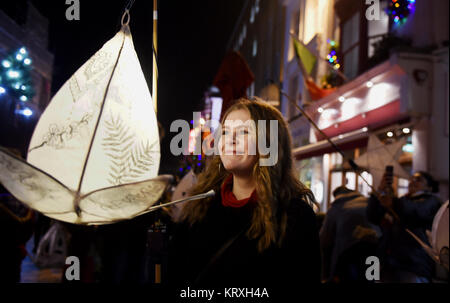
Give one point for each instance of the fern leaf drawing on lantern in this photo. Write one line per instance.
(129, 160)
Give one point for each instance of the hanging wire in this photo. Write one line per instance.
(129, 5)
(126, 13)
(125, 21)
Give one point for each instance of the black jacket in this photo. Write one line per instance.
(192, 249)
(398, 249)
(345, 225)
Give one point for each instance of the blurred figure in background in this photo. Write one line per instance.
(347, 238)
(16, 228)
(41, 226)
(402, 259)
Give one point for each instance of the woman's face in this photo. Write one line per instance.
(238, 143)
(417, 183)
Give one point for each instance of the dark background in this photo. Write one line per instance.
(192, 40)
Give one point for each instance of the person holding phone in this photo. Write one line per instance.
(402, 259)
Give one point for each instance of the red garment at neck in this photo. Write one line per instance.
(229, 199)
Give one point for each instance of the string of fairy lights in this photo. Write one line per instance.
(15, 79)
(400, 10)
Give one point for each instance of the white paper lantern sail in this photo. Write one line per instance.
(94, 155)
(379, 155)
(438, 237)
(181, 192)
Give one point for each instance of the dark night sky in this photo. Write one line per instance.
(192, 37)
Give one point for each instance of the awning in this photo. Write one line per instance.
(376, 118)
(351, 140)
(372, 99)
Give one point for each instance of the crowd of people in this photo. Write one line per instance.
(259, 229)
(357, 227)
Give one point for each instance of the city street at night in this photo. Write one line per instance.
(223, 150)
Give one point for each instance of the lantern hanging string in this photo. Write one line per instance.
(125, 21)
(129, 5)
(126, 13)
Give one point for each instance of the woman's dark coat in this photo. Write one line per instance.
(192, 248)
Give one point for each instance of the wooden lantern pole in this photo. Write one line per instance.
(155, 93)
(155, 54)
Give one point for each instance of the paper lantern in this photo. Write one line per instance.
(182, 192)
(94, 155)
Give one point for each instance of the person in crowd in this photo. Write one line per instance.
(41, 226)
(113, 253)
(320, 215)
(347, 237)
(402, 258)
(16, 228)
(260, 228)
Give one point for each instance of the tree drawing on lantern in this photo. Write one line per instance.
(57, 136)
(128, 160)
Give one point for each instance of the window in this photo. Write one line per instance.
(350, 180)
(336, 181)
(255, 48)
(336, 159)
(363, 187)
(293, 91)
(357, 34)
(251, 90)
(350, 45)
(294, 28)
(311, 174)
(402, 187)
(295, 23)
(376, 29)
(252, 15)
(257, 6)
(242, 36)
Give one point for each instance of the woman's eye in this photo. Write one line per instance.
(225, 132)
(243, 132)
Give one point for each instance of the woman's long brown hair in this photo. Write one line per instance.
(276, 186)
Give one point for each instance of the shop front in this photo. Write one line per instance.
(323, 169)
(378, 106)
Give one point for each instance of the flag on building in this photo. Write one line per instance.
(307, 60)
(316, 92)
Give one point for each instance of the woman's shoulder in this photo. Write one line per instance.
(300, 210)
(422, 198)
(299, 204)
(301, 222)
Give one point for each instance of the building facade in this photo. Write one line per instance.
(23, 27)
(393, 89)
(30, 32)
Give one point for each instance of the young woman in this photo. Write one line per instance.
(259, 229)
